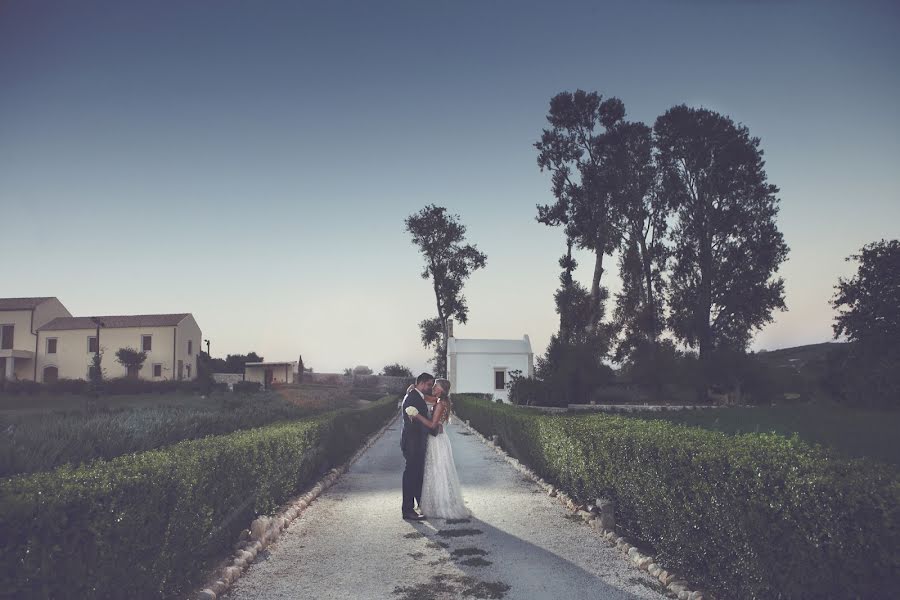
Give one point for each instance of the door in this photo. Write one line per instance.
(180, 370)
(269, 376)
(2, 368)
(51, 374)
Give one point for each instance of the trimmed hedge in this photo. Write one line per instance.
(115, 386)
(747, 516)
(147, 525)
(246, 386)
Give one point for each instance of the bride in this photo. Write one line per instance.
(441, 495)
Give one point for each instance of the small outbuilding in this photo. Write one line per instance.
(479, 366)
(268, 373)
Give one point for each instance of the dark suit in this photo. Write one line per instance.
(413, 441)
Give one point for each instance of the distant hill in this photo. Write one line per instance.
(798, 357)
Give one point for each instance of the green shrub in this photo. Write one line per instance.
(528, 391)
(147, 525)
(67, 386)
(246, 386)
(21, 386)
(367, 394)
(117, 386)
(43, 440)
(747, 516)
(865, 377)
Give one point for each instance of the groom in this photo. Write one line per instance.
(413, 441)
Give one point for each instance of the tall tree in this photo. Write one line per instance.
(449, 262)
(868, 304)
(574, 151)
(573, 364)
(573, 303)
(234, 363)
(866, 371)
(727, 246)
(642, 253)
(396, 370)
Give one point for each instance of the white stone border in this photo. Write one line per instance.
(600, 517)
(266, 529)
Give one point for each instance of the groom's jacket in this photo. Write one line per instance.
(414, 436)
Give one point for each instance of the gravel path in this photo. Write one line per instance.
(520, 544)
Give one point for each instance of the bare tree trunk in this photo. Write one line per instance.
(704, 308)
(653, 333)
(565, 320)
(596, 308)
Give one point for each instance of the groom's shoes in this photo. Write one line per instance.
(413, 516)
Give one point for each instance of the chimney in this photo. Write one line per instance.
(449, 328)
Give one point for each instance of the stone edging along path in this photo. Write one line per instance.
(601, 518)
(265, 529)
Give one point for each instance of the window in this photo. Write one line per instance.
(6, 337)
(190, 347)
(51, 345)
(146, 343)
(157, 370)
(500, 379)
(92, 344)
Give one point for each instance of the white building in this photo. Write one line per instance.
(41, 341)
(483, 366)
(66, 346)
(268, 373)
(20, 319)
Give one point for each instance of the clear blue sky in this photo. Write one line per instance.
(252, 162)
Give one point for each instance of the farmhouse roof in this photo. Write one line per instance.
(115, 322)
(483, 346)
(23, 303)
(269, 364)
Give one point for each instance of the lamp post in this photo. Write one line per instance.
(208, 355)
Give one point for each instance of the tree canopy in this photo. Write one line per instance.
(868, 303)
(396, 370)
(449, 261)
(727, 246)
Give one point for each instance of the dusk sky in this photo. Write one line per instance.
(252, 162)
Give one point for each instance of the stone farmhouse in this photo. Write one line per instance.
(41, 341)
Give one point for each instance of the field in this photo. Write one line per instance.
(39, 433)
(851, 433)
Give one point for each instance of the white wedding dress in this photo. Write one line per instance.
(441, 494)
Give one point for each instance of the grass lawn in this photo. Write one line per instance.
(851, 433)
(41, 432)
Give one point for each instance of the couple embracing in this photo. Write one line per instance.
(430, 478)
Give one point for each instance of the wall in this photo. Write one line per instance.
(280, 374)
(229, 378)
(381, 382)
(47, 311)
(22, 337)
(72, 357)
(474, 373)
(188, 330)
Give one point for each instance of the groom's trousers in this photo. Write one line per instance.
(413, 475)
